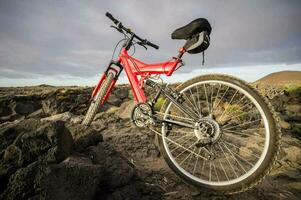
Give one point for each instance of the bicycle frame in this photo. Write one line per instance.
(137, 72)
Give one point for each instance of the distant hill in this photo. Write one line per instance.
(280, 78)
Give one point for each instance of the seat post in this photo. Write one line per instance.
(181, 52)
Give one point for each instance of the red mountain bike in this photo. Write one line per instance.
(214, 131)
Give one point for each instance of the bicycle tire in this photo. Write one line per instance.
(95, 104)
(273, 147)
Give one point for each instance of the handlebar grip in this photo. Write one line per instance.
(109, 15)
(152, 45)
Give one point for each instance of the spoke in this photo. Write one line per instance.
(222, 97)
(246, 105)
(243, 159)
(210, 170)
(184, 151)
(196, 162)
(215, 171)
(211, 102)
(234, 157)
(235, 134)
(180, 110)
(181, 137)
(165, 138)
(207, 98)
(241, 149)
(182, 144)
(223, 170)
(244, 113)
(228, 105)
(216, 97)
(240, 100)
(249, 129)
(192, 154)
(227, 159)
(241, 124)
(191, 104)
(196, 106)
(189, 155)
(203, 167)
(215, 167)
(197, 90)
(174, 142)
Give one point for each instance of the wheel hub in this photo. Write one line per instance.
(207, 130)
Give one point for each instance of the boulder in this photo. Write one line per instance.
(77, 119)
(122, 92)
(112, 109)
(25, 144)
(125, 109)
(295, 108)
(5, 110)
(285, 125)
(37, 114)
(293, 154)
(114, 100)
(51, 142)
(84, 136)
(27, 107)
(59, 117)
(75, 101)
(23, 184)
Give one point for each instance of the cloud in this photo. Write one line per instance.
(73, 38)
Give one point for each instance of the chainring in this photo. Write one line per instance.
(142, 115)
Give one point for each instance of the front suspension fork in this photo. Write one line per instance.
(114, 67)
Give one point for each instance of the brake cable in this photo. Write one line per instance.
(125, 37)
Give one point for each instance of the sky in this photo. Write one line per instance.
(65, 42)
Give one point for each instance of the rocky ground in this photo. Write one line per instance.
(47, 154)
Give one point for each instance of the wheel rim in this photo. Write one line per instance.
(210, 172)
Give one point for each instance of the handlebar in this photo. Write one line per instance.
(109, 15)
(127, 30)
(152, 45)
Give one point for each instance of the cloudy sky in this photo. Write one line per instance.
(65, 42)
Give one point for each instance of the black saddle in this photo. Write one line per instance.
(196, 26)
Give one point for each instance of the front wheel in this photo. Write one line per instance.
(95, 104)
(233, 144)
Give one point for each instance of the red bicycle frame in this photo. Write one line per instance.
(136, 72)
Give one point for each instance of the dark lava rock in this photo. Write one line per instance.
(26, 107)
(85, 136)
(112, 178)
(38, 162)
(52, 141)
(24, 183)
(73, 181)
(63, 100)
(30, 141)
(37, 114)
(114, 100)
(5, 110)
(122, 92)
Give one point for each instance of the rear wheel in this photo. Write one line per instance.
(95, 104)
(233, 144)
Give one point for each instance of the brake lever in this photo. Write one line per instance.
(118, 29)
(141, 44)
